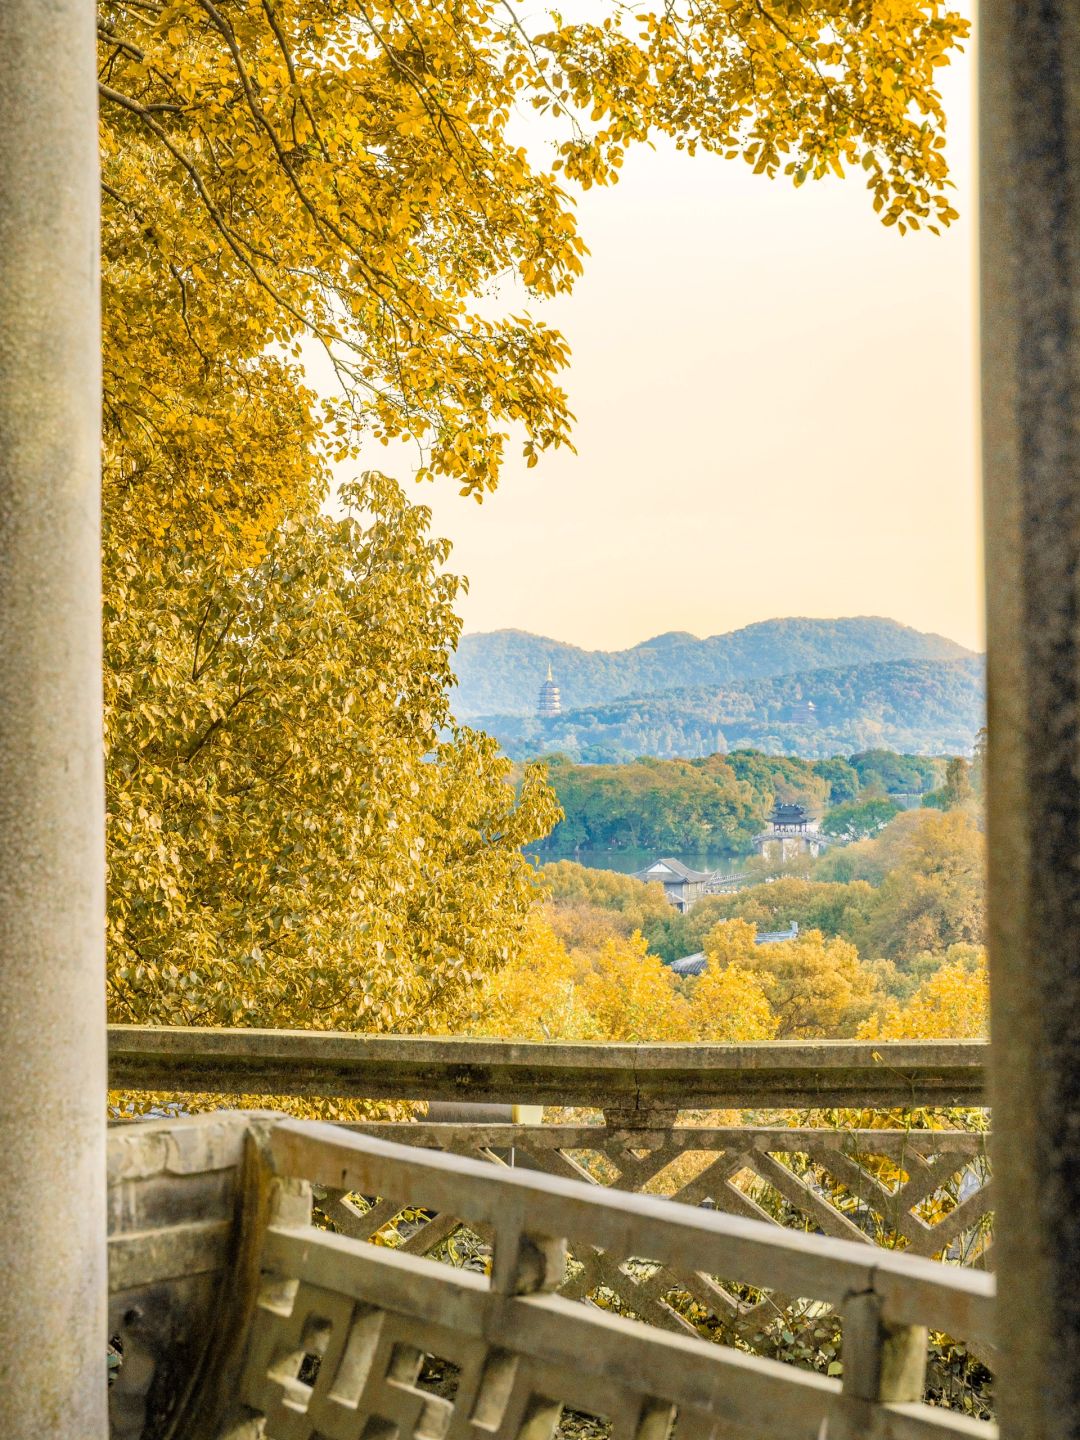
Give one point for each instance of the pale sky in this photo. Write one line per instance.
(776, 402)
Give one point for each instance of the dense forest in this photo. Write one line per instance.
(499, 673)
(923, 706)
(721, 802)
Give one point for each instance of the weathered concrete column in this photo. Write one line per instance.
(1030, 184)
(52, 1022)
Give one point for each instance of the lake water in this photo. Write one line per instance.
(626, 862)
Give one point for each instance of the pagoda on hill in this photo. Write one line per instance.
(549, 705)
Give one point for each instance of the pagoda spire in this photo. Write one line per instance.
(549, 704)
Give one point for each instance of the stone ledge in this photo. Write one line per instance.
(631, 1078)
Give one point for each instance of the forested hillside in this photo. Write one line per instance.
(500, 673)
(920, 706)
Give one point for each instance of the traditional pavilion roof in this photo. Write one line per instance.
(689, 964)
(789, 815)
(668, 871)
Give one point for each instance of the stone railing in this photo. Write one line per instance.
(880, 1178)
(641, 1084)
(824, 1138)
(924, 1191)
(238, 1314)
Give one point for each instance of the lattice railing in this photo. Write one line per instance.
(293, 1332)
(921, 1192)
(374, 1316)
(926, 1192)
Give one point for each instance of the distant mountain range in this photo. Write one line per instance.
(500, 673)
(920, 707)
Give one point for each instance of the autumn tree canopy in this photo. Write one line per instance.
(951, 1003)
(291, 840)
(814, 986)
(617, 991)
(281, 169)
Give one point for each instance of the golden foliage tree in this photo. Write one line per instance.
(934, 892)
(953, 1003)
(814, 986)
(630, 995)
(586, 906)
(295, 836)
(828, 906)
(534, 996)
(617, 991)
(585, 928)
(282, 169)
(729, 1005)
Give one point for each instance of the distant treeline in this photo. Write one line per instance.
(719, 802)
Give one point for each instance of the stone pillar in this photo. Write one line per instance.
(52, 1021)
(1030, 258)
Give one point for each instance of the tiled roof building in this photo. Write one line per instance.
(682, 886)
